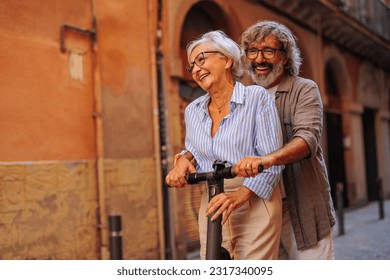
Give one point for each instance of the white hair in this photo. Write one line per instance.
(226, 46)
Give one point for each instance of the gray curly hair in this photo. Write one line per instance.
(226, 46)
(262, 29)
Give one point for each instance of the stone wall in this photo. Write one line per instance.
(130, 191)
(48, 210)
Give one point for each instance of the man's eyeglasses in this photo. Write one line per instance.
(199, 60)
(267, 53)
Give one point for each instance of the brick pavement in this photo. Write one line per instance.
(366, 236)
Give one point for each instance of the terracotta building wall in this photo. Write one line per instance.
(132, 187)
(48, 195)
(125, 53)
(44, 114)
(77, 129)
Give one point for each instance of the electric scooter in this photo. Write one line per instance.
(215, 184)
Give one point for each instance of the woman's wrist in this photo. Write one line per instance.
(184, 153)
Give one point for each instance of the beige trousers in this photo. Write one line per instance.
(252, 231)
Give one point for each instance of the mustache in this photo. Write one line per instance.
(262, 64)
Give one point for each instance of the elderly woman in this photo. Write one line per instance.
(229, 123)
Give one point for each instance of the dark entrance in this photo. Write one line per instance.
(336, 165)
(370, 153)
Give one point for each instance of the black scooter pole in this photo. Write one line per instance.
(214, 228)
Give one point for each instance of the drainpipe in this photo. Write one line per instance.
(99, 164)
(167, 219)
(158, 123)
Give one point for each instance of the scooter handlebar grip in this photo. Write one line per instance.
(233, 173)
(194, 178)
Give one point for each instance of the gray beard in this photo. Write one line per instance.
(266, 80)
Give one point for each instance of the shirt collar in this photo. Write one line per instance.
(238, 96)
(284, 85)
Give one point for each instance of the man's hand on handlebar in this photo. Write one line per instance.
(176, 177)
(249, 166)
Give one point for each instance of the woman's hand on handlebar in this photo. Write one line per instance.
(249, 166)
(176, 177)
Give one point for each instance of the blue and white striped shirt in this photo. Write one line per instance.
(252, 128)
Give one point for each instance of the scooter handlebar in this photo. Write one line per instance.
(225, 173)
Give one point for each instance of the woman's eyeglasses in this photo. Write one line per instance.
(199, 60)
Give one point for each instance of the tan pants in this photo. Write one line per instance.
(252, 231)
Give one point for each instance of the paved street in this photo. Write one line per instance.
(366, 237)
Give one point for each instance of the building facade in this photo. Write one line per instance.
(93, 94)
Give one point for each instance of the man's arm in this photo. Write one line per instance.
(295, 150)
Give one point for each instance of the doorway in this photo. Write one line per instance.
(336, 163)
(370, 153)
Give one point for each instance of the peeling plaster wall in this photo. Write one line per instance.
(131, 192)
(48, 211)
